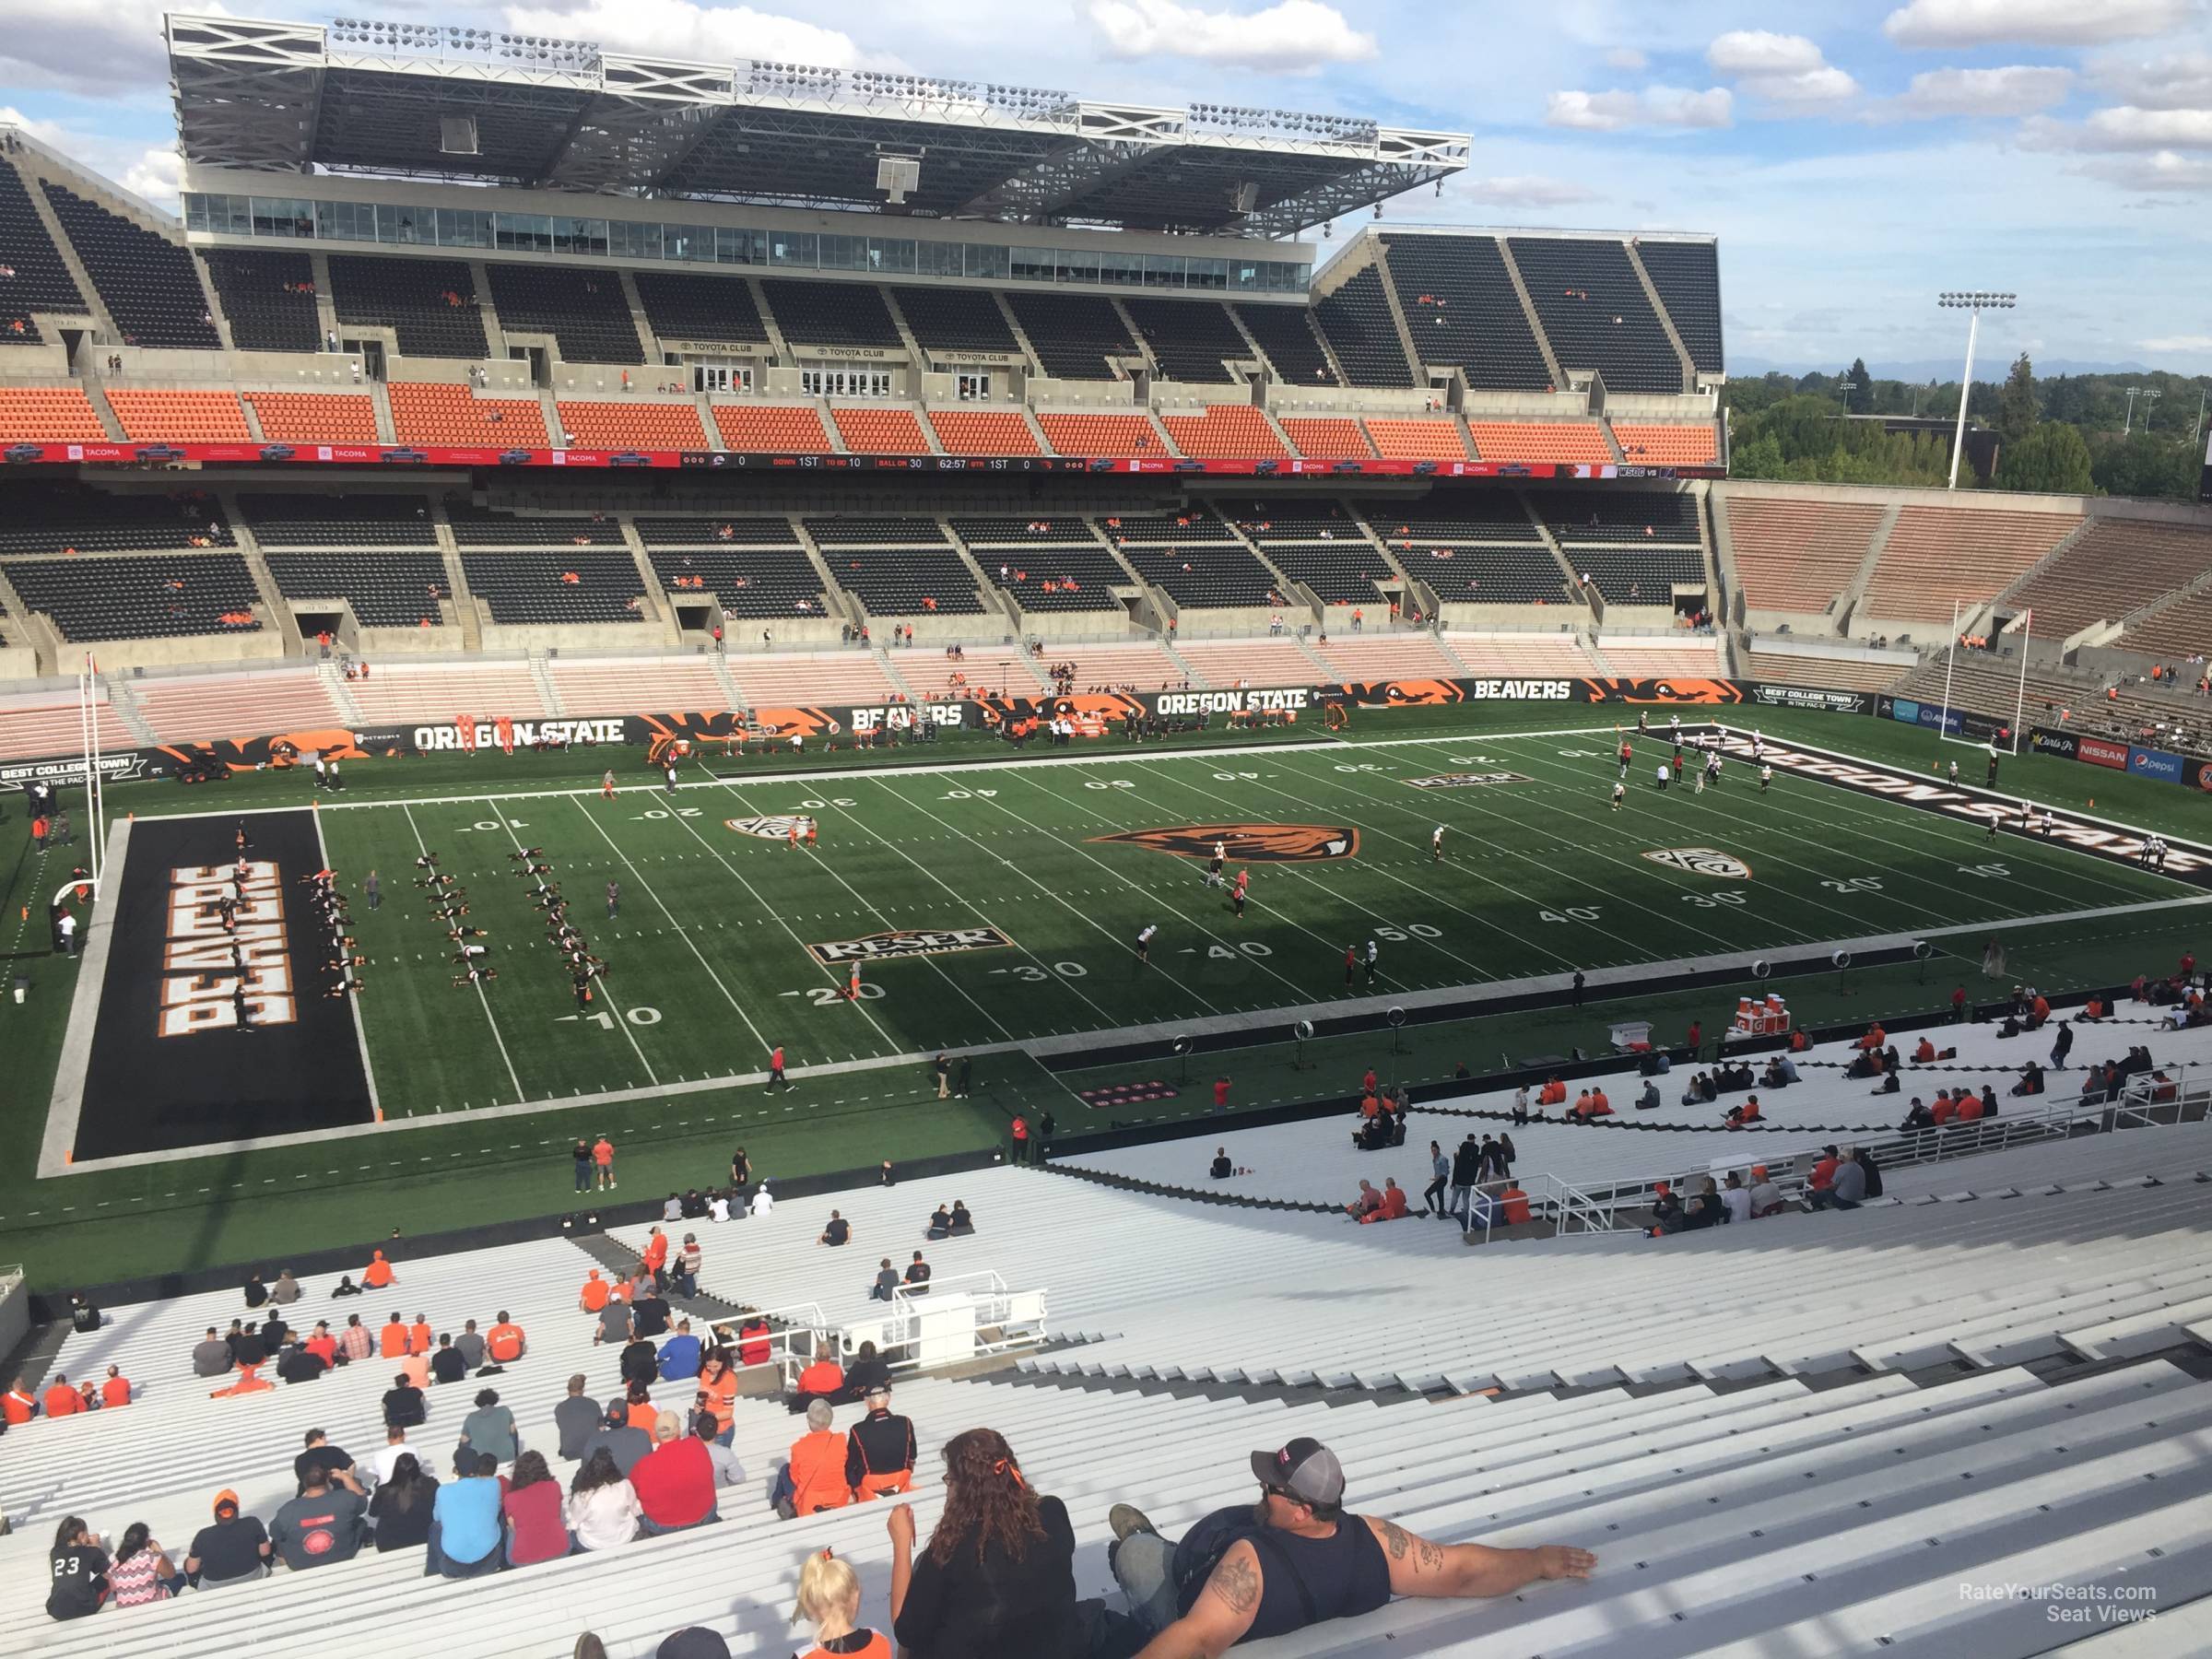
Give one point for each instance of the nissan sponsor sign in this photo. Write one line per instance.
(2102, 751)
(1231, 702)
(434, 739)
(1974, 806)
(1811, 697)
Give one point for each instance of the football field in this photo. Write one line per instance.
(988, 907)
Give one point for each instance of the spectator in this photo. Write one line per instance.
(1394, 1206)
(764, 1203)
(962, 1222)
(285, 1290)
(675, 1482)
(879, 1450)
(1219, 1169)
(868, 1371)
(531, 1507)
(917, 1276)
(1667, 1213)
(997, 1579)
(707, 1430)
(575, 1417)
(639, 1410)
(335, 1467)
(640, 1361)
(301, 1363)
(392, 1341)
(382, 1462)
(829, 1600)
(230, 1549)
(614, 1321)
(1365, 1204)
(446, 1364)
(813, 1478)
(403, 1405)
(469, 1345)
(618, 1440)
(378, 1274)
(602, 1510)
(490, 1428)
(591, 1299)
(1342, 1566)
(142, 1572)
(684, 1274)
(354, 1341)
(1844, 1189)
(321, 1526)
(464, 1523)
(1766, 1197)
(649, 1313)
(211, 1356)
(1736, 1198)
(679, 1354)
(403, 1506)
(755, 1343)
(823, 1378)
(1440, 1171)
(59, 1400)
(887, 1281)
(1704, 1208)
(257, 1293)
(79, 1572)
(838, 1234)
(718, 1393)
(419, 1337)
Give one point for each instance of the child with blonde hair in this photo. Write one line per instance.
(830, 1598)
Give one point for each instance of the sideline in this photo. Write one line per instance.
(67, 1104)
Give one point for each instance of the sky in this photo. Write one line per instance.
(1853, 167)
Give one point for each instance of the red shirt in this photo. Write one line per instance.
(325, 1347)
(540, 1534)
(115, 1391)
(16, 1407)
(656, 1249)
(675, 1482)
(503, 1343)
(63, 1401)
(1221, 1091)
(603, 1154)
(1824, 1173)
(1941, 1112)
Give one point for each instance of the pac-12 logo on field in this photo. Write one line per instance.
(908, 942)
(1702, 861)
(1253, 844)
(778, 828)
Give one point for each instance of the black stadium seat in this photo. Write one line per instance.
(147, 281)
(430, 305)
(684, 305)
(269, 297)
(1357, 320)
(1073, 334)
(1285, 334)
(1459, 303)
(41, 282)
(748, 581)
(583, 311)
(1595, 312)
(139, 598)
(531, 587)
(831, 313)
(955, 319)
(1687, 278)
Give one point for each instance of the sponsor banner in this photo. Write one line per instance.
(2044, 741)
(1292, 699)
(908, 942)
(1977, 806)
(1469, 780)
(2201, 771)
(2155, 763)
(2101, 752)
(527, 734)
(1933, 717)
(114, 765)
(1247, 843)
(130, 453)
(1769, 696)
(1702, 861)
(1424, 693)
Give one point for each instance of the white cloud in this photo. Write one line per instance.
(2178, 343)
(2165, 173)
(96, 49)
(1292, 37)
(2019, 90)
(1626, 58)
(156, 176)
(1779, 68)
(1654, 106)
(679, 28)
(50, 133)
(2179, 81)
(2126, 127)
(1525, 190)
(2042, 22)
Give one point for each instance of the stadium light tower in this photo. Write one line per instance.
(1975, 300)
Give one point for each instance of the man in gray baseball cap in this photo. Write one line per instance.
(1295, 1558)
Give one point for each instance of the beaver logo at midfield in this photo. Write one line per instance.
(1251, 843)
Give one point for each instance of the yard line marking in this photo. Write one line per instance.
(520, 1094)
(361, 1034)
(653, 893)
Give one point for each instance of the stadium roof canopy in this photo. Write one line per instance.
(433, 101)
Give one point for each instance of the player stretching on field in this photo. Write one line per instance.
(1436, 844)
(1237, 894)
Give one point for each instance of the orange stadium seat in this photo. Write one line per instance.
(770, 429)
(178, 417)
(1672, 443)
(880, 431)
(1231, 431)
(1539, 440)
(313, 418)
(1938, 557)
(1416, 439)
(1102, 434)
(425, 412)
(56, 412)
(661, 426)
(1332, 437)
(1797, 556)
(983, 433)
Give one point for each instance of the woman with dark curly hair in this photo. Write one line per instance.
(998, 1581)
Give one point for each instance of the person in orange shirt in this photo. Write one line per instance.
(378, 1274)
(1969, 1107)
(18, 1406)
(392, 1341)
(594, 1297)
(816, 1473)
(1874, 1037)
(1942, 1110)
(503, 1343)
(115, 1391)
(1924, 1052)
(61, 1400)
(657, 1255)
(717, 1386)
(1599, 1105)
(643, 1414)
(603, 1160)
(415, 1368)
(322, 1344)
(1394, 1206)
(420, 1337)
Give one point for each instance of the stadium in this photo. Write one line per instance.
(576, 614)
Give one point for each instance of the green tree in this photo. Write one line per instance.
(2052, 459)
(2145, 465)
(2017, 412)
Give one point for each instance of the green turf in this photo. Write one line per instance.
(709, 964)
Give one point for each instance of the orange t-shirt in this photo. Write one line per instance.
(1751, 1112)
(16, 1408)
(603, 1154)
(1970, 1108)
(415, 1368)
(377, 1275)
(721, 1396)
(1599, 1103)
(419, 1337)
(504, 1343)
(1941, 1112)
(115, 1391)
(822, 1377)
(644, 1414)
(879, 1647)
(818, 1472)
(656, 1250)
(63, 1401)
(392, 1341)
(595, 1294)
